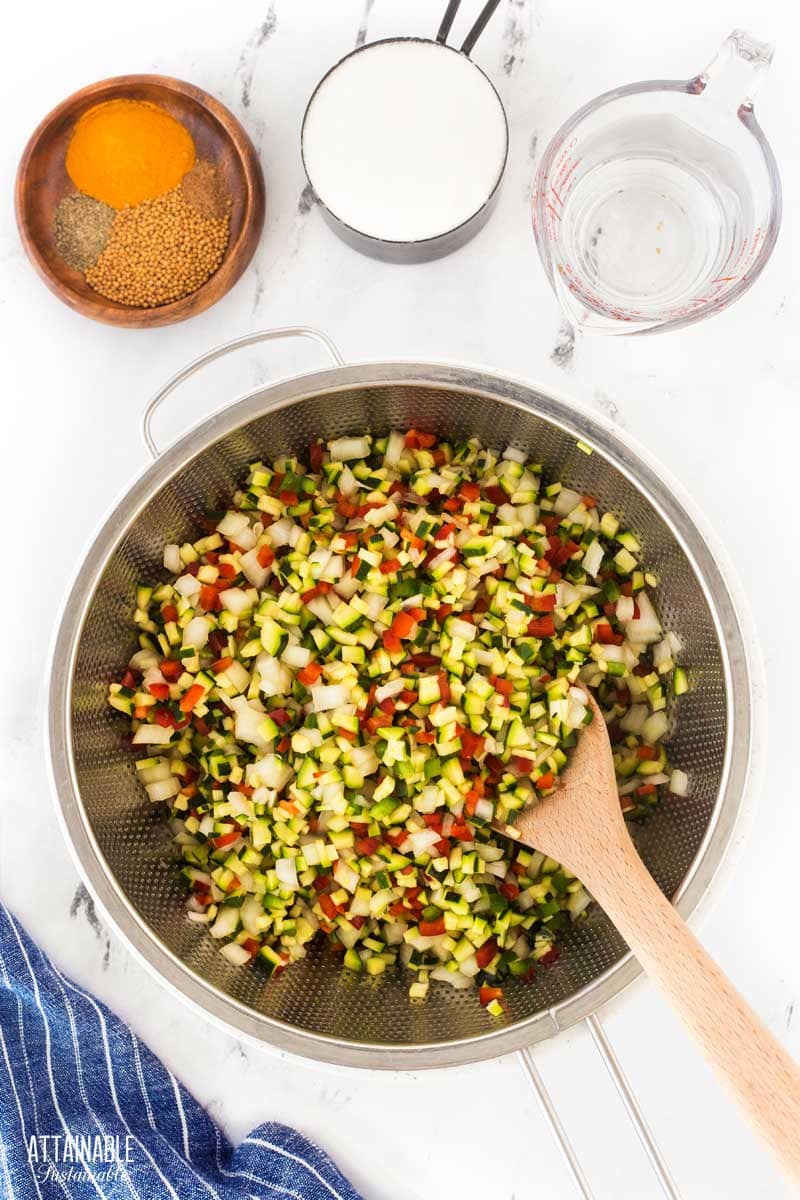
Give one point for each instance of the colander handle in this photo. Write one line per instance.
(249, 339)
(632, 1107)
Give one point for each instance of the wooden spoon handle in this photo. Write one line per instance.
(754, 1065)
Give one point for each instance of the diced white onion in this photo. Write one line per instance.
(252, 569)
(172, 559)
(197, 632)
(325, 697)
(593, 558)
(286, 870)
(235, 953)
(655, 727)
(395, 446)
(634, 719)
(679, 783)
(646, 628)
(454, 978)
(187, 585)
(423, 841)
(232, 525)
(275, 678)
(387, 690)
(346, 448)
(226, 922)
(281, 532)
(153, 735)
(236, 600)
(347, 482)
(162, 789)
(565, 501)
(296, 656)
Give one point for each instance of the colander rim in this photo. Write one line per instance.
(647, 477)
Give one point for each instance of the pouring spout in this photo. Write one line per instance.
(732, 77)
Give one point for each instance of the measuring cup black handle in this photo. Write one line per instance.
(477, 29)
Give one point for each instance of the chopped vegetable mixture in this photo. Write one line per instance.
(363, 663)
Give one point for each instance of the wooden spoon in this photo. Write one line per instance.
(581, 826)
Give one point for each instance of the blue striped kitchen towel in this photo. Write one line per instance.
(86, 1110)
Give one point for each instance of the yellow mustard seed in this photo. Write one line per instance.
(159, 251)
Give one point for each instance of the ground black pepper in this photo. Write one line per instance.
(80, 229)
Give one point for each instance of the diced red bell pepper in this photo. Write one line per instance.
(315, 455)
(432, 928)
(265, 555)
(390, 565)
(444, 687)
(251, 945)
(226, 839)
(462, 832)
(191, 698)
(403, 625)
(646, 753)
(159, 690)
(281, 716)
(472, 744)
(209, 599)
(163, 717)
(442, 612)
(395, 838)
(606, 636)
(485, 953)
(221, 665)
(367, 845)
(504, 686)
(328, 906)
(310, 674)
(227, 571)
(426, 737)
(288, 497)
(470, 491)
(543, 602)
(391, 642)
(542, 627)
(552, 956)
(169, 612)
(433, 820)
(417, 440)
(487, 994)
(359, 828)
(545, 781)
(509, 890)
(495, 494)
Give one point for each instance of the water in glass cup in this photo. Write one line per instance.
(657, 204)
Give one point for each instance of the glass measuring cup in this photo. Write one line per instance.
(659, 203)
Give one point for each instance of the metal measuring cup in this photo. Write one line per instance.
(452, 237)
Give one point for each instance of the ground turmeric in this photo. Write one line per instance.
(125, 151)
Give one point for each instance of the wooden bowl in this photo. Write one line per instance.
(42, 181)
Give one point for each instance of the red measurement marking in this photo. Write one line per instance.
(724, 279)
(554, 211)
(555, 193)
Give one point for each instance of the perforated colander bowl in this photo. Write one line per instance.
(120, 839)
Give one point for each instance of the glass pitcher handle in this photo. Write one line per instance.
(733, 75)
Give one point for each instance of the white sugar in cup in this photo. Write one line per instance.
(404, 143)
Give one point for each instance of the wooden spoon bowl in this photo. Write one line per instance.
(42, 181)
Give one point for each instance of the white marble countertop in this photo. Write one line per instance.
(704, 400)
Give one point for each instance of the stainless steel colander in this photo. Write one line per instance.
(120, 840)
